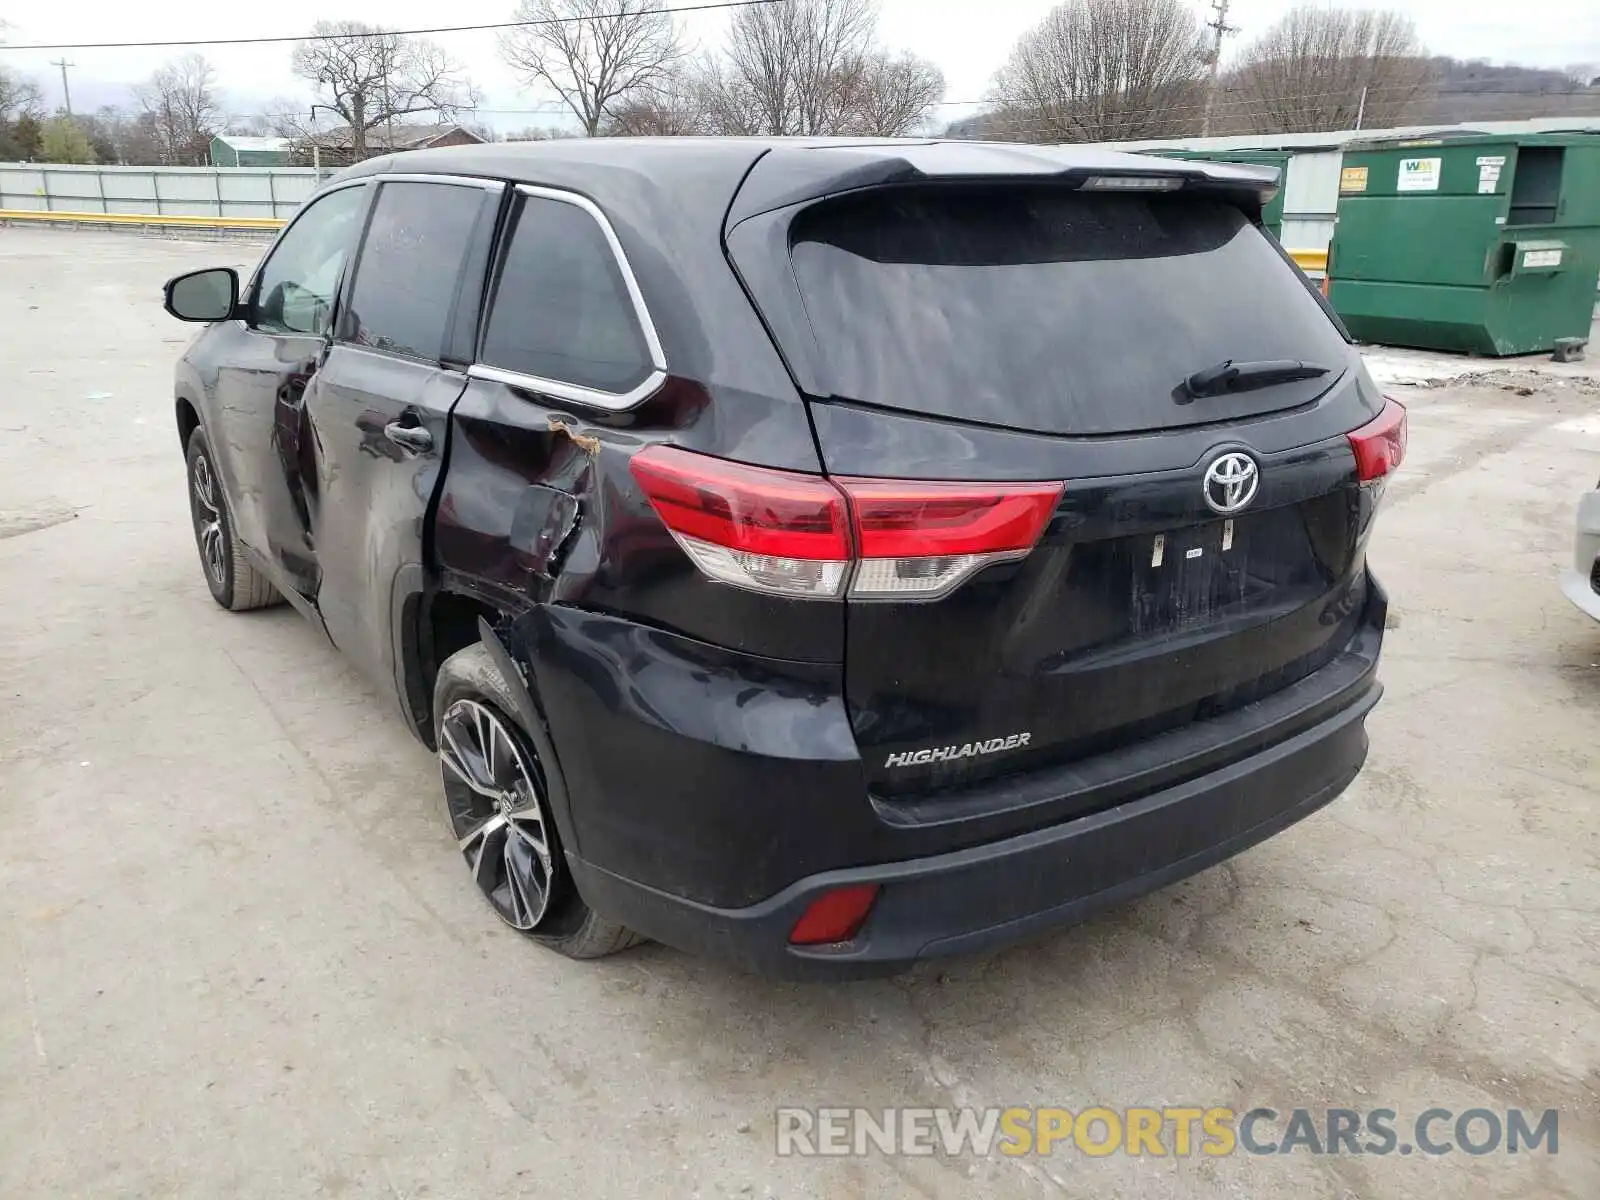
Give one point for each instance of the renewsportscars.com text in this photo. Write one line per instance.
(1174, 1131)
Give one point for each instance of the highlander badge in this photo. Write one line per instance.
(916, 758)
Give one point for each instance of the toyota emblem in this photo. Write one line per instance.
(1231, 482)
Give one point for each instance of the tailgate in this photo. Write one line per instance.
(1031, 331)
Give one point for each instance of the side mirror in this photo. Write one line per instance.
(209, 295)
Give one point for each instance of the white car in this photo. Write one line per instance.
(1581, 582)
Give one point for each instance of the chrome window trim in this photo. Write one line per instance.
(593, 398)
(488, 185)
(610, 401)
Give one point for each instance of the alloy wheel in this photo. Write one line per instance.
(208, 522)
(495, 799)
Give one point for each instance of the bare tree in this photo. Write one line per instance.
(536, 133)
(21, 111)
(369, 76)
(732, 107)
(252, 125)
(793, 68)
(805, 67)
(1318, 68)
(1103, 70)
(597, 55)
(18, 96)
(118, 137)
(1583, 75)
(891, 95)
(682, 102)
(181, 100)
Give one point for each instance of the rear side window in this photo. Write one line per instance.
(562, 310)
(410, 267)
(1051, 310)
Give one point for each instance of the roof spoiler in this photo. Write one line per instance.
(807, 171)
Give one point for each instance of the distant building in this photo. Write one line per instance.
(335, 148)
(231, 150)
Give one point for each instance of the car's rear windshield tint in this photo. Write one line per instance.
(1048, 309)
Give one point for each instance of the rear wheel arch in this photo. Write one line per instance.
(482, 678)
(435, 623)
(431, 622)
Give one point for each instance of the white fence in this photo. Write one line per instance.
(266, 192)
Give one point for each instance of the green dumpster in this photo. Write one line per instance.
(1272, 214)
(1476, 244)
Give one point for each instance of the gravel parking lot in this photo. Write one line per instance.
(239, 957)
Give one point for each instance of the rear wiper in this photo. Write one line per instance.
(1230, 376)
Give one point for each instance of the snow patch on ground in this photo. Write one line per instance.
(1393, 365)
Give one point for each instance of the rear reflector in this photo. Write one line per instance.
(834, 916)
(1380, 445)
(805, 536)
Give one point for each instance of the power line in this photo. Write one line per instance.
(333, 37)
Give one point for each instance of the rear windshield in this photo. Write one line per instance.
(1051, 310)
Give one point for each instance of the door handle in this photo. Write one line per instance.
(408, 437)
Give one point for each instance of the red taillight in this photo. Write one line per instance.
(803, 535)
(1380, 445)
(750, 526)
(834, 916)
(905, 519)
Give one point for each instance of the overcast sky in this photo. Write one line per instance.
(967, 38)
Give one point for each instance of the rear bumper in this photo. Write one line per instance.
(1579, 582)
(1001, 892)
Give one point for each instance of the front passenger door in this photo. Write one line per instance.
(255, 415)
(381, 406)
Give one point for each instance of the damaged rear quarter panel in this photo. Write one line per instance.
(646, 675)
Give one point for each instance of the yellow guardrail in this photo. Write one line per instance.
(176, 222)
(1310, 260)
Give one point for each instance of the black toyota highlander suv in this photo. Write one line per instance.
(819, 554)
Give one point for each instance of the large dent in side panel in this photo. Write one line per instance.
(508, 505)
(700, 771)
(766, 707)
(511, 447)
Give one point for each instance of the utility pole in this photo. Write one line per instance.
(66, 91)
(1361, 109)
(1219, 27)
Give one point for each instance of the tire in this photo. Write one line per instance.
(496, 805)
(234, 583)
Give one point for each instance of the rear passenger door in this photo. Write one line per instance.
(566, 332)
(382, 402)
